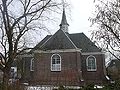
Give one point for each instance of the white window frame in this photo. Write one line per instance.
(55, 67)
(87, 63)
(14, 73)
(32, 64)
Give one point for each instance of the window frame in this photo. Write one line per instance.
(55, 64)
(32, 66)
(91, 69)
(13, 72)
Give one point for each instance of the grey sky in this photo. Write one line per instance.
(81, 11)
(77, 17)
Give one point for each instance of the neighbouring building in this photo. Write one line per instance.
(113, 69)
(64, 59)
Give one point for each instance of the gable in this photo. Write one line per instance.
(62, 40)
(59, 40)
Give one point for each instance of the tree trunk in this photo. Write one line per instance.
(6, 79)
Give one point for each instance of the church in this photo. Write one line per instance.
(64, 59)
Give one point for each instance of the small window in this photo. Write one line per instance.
(55, 62)
(91, 63)
(13, 72)
(32, 65)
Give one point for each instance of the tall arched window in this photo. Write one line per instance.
(91, 63)
(55, 62)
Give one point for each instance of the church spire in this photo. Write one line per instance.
(64, 25)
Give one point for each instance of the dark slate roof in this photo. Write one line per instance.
(83, 42)
(59, 40)
(43, 41)
(62, 40)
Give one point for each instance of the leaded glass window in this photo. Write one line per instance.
(55, 62)
(91, 63)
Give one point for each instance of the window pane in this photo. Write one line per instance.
(91, 64)
(53, 61)
(56, 63)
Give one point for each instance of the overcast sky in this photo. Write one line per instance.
(80, 12)
(77, 15)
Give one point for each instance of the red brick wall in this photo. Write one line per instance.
(97, 76)
(68, 74)
(71, 65)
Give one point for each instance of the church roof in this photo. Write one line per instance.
(83, 42)
(59, 40)
(62, 40)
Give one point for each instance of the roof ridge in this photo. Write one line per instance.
(69, 39)
(76, 33)
(65, 36)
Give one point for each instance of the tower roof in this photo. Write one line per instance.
(64, 20)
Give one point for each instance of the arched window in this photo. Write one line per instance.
(91, 63)
(55, 62)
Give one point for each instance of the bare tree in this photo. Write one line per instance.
(107, 21)
(18, 17)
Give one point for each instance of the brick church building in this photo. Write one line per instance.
(64, 59)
